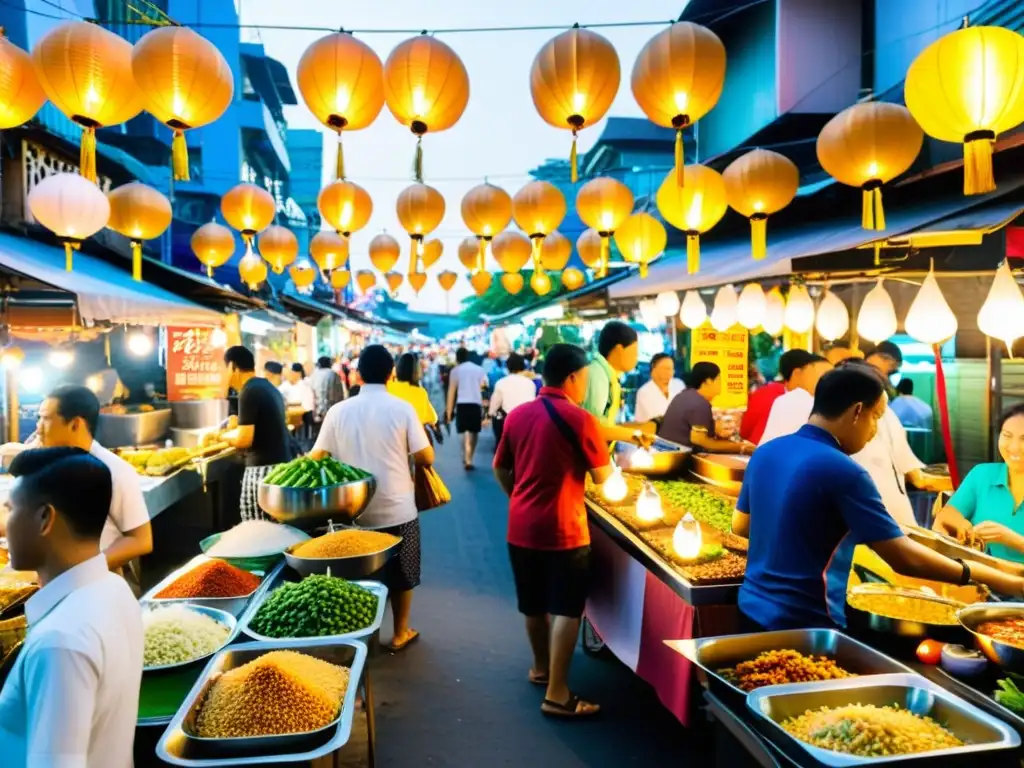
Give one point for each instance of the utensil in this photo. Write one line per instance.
(352, 567)
(309, 506)
(221, 617)
(1007, 656)
(666, 458)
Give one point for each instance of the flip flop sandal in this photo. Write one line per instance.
(399, 648)
(570, 709)
(538, 679)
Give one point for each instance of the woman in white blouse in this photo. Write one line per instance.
(652, 398)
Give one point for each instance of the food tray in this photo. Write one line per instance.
(177, 747)
(984, 733)
(714, 653)
(232, 605)
(221, 617)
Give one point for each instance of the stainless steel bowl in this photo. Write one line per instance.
(354, 567)
(724, 471)
(903, 633)
(221, 617)
(309, 506)
(1007, 656)
(667, 458)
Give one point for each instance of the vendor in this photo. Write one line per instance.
(618, 349)
(689, 419)
(653, 398)
(791, 411)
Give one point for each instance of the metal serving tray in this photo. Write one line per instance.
(233, 605)
(178, 747)
(223, 618)
(667, 458)
(983, 733)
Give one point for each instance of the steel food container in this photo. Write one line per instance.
(310, 506)
(667, 458)
(900, 635)
(116, 430)
(180, 746)
(1008, 656)
(233, 605)
(353, 567)
(221, 617)
(982, 733)
(199, 414)
(951, 548)
(722, 470)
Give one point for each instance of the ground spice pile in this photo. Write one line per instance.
(280, 692)
(214, 578)
(347, 543)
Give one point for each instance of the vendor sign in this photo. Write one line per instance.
(194, 366)
(727, 350)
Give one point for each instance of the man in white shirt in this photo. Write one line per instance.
(513, 390)
(377, 432)
(652, 398)
(465, 402)
(791, 410)
(72, 697)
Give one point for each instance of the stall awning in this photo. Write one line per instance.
(104, 293)
(309, 310)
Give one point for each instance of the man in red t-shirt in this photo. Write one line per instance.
(547, 449)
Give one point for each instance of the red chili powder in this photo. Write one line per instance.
(214, 578)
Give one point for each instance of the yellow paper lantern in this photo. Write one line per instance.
(366, 280)
(572, 278)
(426, 88)
(432, 251)
(303, 274)
(341, 81)
(185, 82)
(345, 206)
(251, 268)
(641, 238)
(867, 145)
(86, 71)
(758, 184)
(832, 320)
(929, 319)
(469, 253)
(694, 208)
(384, 252)
(420, 210)
(139, 213)
(678, 78)
(71, 207)
(417, 281)
(1002, 315)
(213, 244)
(511, 250)
(540, 283)
(394, 281)
(21, 95)
(340, 278)
(486, 211)
(279, 247)
(968, 86)
(555, 251)
(590, 246)
(248, 208)
(328, 249)
(481, 281)
(512, 282)
(604, 204)
(538, 208)
(877, 318)
(573, 82)
(447, 280)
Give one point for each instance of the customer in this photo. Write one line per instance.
(549, 447)
(406, 386)
(510, 392)
(72, 696)
(912, 411)
(618, 350)
(791, 411)
(690, 421)
(759, 405)
(274, 373)
(465, 402)
(652, 398)
(261, 432)
(377, 432)
(839, 351)
(327, 387)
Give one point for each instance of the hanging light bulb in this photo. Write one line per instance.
(1002, 314)
(140, 343)
(877, 319)
(799, 314)
(774, 312)
(650, 314)
(694, 311)
(723, 316)
(751, 306)
(641, 458)
(61, 357)
(218, 338)
(667, 303)
(929, 319)
(686, 538)
(615, 488)
(832, 320)
(648, 504)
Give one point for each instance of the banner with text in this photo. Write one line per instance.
(727, 350)
(194, 367)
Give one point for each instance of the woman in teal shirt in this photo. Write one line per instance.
(988, 502)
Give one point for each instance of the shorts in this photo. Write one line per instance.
(469, 417)
(402, 571)
(554, 582)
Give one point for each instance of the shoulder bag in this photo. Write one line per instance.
(431, 492)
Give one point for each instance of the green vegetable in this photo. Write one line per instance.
(305, 472)
(704, 505)
(317, 606)
(1010, 696)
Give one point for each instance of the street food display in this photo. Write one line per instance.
(176, 634)
(317, 606)
(346, 543)
(255, 538)
(782, 666)
(894, 605)
(214, 578)
(305, 472)
(157, 462)
(1008, 630)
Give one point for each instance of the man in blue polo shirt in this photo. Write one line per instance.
(805, 504)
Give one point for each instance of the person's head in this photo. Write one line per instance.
(408, 368)
(618, 344)
(706, 378)
(905, 386)
(375, 364)
(807, 375)
(565, 368)
(663, 368)
(840, 351)
(296, 373)
(59, 504)
(240, 365)
(68, 417)
(792, 361)
(516, 363)
(273, 372)
(461, 355)
(886, 357)
(1011, 438)
(323, 362)
(848, 402)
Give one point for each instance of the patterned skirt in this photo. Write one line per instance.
(249, 502)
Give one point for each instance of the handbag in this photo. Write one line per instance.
(431, 492)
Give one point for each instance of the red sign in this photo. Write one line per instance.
(194, 367)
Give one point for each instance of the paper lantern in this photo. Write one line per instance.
(417, 281)
(573, 82)
(512, 282)
(867, 145)
(693, 312)
(481, 281)
(345, 206)
(774, 312)
(340, 278)
(538, 208)
(420, 209)
(185, 83)
(572, 279)
(723, 314)
(279, 247)
(303, 274)
(139, 213)
(328, 249)
(366, 280)
(540, 283)
(511, 250)
(877, 318)
(968, 86)
(678, 78)
(71, 207)
(384, 252)
(213, 244)
(432, 252)
(750, 307)
(486, 211)
(799, 314)
(251, 268)
(21, 95)
(832, 320)
(426, 88)
(248, 208)
(86, 71)
(341, 81)
(640, 239)
(555, 251)
(447, 280)
(469, 253)
(929, 319)
(694, 208)
(394, 281)
(1002, 314)
(650, 315)
(758, 184)
(667, 303)
(589, 246)
(604, 204)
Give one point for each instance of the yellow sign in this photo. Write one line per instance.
(727, 350)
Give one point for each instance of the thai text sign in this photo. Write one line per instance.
(727, 350)
(194, 367)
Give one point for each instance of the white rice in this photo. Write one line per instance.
(175, 634)
(256, 538)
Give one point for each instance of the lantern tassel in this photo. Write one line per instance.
(136, 260)
(536, 252)
(679, 158)
(481, 254)
(759, 236)
(87, 154)
(209, 271)
(414, 256)
(978, 176)
(69, 251)
(179, 157)
(339, 168)
(573, 173)
(606, 250)
(417, 163)
(872, 215)
(692, 253)
(643, 269)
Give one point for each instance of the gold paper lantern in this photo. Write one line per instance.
(432, 251)
(641, 238)
(1002, 315)
(469, 253)
(678, 78)
(481, 281)
(867, 145)
(185, 82)
(512, 282)
(71, 207)
(86, 71)
(420, 209)
(340, 278)
(248, 208)
(394, 281)
(303, 274)
(417, 281)
(447, 280)
(251, 268)
(758, 184)
(486, 211)
(345, 206)
(694, 208)
(540, 283)
(968, 86)
(538, 208)
(572, 278)
(384, 252)
(139, 213)
(604, 204)
(341, 81)
(511, 250)
(279, 247)
(21, 95)
(426, 88)
(366, 280)
(590, 246)
(213, 244)
(555, 251)
(328, 249)
(573, 82)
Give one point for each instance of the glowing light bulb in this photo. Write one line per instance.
(668, 303)
(693, 215)
(91, 96)
(95, 383)
(579, 101)
(648, 504)
(615, 488)
(218, 338)
(342, 97)
(873, 170)
(686, 538)
(694, 312)
(682, 99)
(139, 343)
(31, 380)
(641, 459)
(419, 101)
(11, 357)
(61, 358)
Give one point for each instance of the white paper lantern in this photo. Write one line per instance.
(1002, 314)
(650, 314)
(751, 306)
(799, 315)
(832, 320)
(668, 303)
(694, 312)
(70, 206)
(723, 316)
(929, 319)
(774, 312)
(877, 318)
